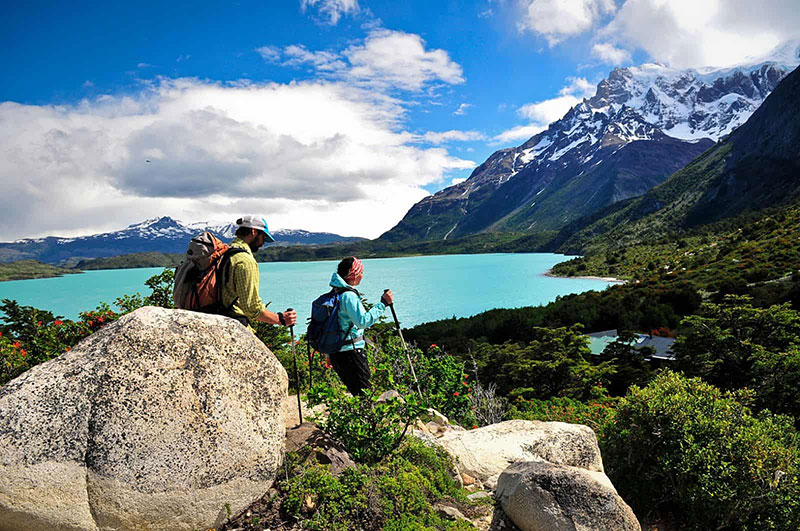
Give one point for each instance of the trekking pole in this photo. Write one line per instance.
(296, 372)
(310, 376)
(405, 348)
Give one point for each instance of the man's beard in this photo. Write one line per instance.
(254, 247)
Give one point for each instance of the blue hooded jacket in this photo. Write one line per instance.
(352, 311)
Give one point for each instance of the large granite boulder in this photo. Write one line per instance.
(165, 419)
(485, 452)
(541, 496)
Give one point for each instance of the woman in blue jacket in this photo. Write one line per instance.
(350, 363)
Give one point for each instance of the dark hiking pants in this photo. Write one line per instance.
(353, 368)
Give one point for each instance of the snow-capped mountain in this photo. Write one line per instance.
(643, 124)
(164, 235)
(756, 167)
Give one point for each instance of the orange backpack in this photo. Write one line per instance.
(200, 277)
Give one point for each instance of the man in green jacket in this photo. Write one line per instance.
(241, 289)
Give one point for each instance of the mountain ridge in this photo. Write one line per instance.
(756, 167)
(670, 110)
(161, 235)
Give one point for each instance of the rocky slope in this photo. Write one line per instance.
(162, 235)
(643, 124)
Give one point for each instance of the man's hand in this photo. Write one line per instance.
(290, 316)
(387, 298)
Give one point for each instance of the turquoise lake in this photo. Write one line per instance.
(426, 288)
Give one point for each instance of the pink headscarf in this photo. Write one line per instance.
(356, 268)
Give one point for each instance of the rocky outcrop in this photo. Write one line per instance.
(162, 420)
(540, 496)
(321, 447)
(484, 453)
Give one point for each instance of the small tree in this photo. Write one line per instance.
(632, 364)
(734, 345)
(555, 363)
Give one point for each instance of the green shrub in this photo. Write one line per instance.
(445, 385)
(555, 363)
(370, 429)
(397, 493)
(682, 447)
(597, 414)
(29, 336)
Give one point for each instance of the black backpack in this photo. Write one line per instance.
(323, 333)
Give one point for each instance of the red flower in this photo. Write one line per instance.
(58, 323)
(466, 376)
(16, 344)
(100, 319)
(464, 383)
(23, 352)
(455, 394)
(1, 334)
(433, 345)
(38, 323)
(474, 426)
(68, 349)
(91, 323)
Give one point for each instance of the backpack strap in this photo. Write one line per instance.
(339, 291)
(223, 276)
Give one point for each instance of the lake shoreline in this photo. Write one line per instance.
(431, 287)
(549, 273)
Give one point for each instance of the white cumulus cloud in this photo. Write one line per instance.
(548, 111)
(401, 59)
(691, 34)
(462, 109)
(520, 132)
(452, 136)
(269, 53)
(543, 113)
(610, 54)
(557, 20)
(385, 60)
(331, 11)
(321, 156)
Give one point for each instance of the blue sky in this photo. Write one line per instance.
(330, 115)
